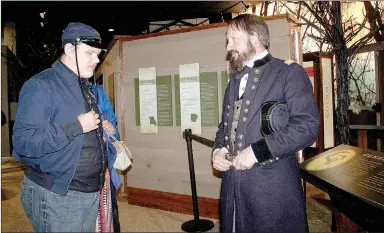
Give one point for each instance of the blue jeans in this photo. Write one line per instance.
(51, 212)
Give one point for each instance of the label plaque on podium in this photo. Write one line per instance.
(355, 170)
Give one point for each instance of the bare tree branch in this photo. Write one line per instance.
(374, 19)
(299, 11)
(326, 29)
(316, 15)
(357, 77)
(358, 44)
(354, 32)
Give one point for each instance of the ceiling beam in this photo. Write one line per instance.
(166, 26)
(187, 23)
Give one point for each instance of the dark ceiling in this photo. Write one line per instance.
(125, 17)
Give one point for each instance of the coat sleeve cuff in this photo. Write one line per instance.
(215, 147)
(72, 129)
(261, 150)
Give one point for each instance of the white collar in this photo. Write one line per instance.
(257, 57)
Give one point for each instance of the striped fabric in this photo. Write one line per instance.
(104, 220)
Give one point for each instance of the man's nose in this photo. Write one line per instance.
(229, 47)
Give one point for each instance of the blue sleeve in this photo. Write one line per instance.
(304, 121)
(33, 133)
(106, 108)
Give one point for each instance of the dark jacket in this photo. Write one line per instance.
(269, 196)
(47, 134)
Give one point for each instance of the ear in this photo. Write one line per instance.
(254, 38)
(69, 50)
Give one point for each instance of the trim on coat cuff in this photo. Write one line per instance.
(72, 129)
(261, 150)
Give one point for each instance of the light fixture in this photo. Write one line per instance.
(111, 30)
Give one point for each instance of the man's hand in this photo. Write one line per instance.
(89, 121)
(219, 161)
(245, 159)
(108, 127)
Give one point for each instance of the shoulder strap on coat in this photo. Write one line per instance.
(288, 62)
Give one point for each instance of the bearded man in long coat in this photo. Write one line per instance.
(269, 114)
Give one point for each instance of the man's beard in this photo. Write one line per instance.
(236, 64)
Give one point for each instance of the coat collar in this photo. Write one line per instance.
(69, 77)
(257, 57)
(256, 64)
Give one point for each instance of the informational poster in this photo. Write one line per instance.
(329, 134)
(209, 99)
(148, 100)
(190, 98)
(137, 101)
(224, 82)
(164, 100)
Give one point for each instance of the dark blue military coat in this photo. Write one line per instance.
(269, 196)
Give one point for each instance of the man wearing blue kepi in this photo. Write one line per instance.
(269, 113)
(58, 134)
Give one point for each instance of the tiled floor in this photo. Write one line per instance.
(141, 219)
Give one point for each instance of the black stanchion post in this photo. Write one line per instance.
(197, 224)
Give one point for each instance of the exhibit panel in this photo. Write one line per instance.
(161, 161)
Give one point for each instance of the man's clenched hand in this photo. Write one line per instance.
(219, 161)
